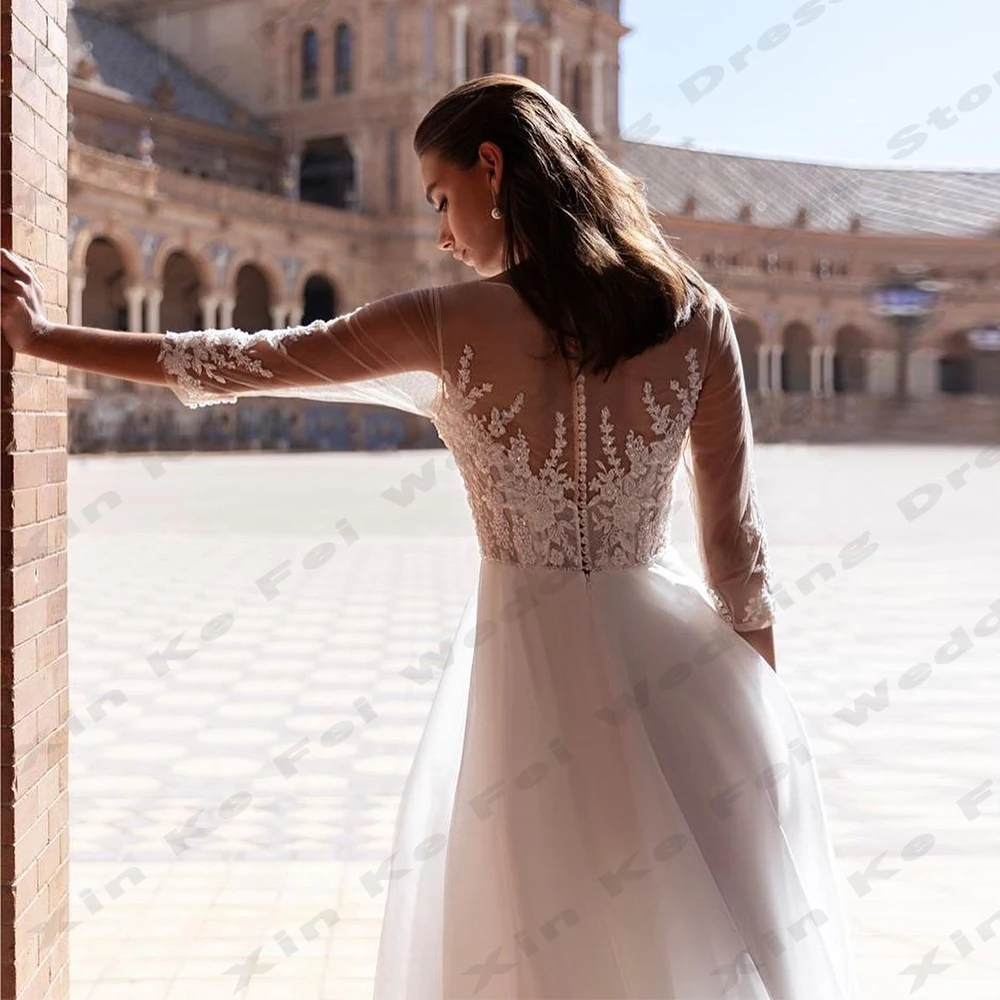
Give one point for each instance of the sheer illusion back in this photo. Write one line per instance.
(562, 471)
(579, 471)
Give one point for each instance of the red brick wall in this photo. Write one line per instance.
(34, 699)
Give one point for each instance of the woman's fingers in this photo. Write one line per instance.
(13, 264)
(14, 286)
(20, 268)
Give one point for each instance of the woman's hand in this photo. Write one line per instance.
(22, 319)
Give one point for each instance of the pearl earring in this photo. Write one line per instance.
(496, 213)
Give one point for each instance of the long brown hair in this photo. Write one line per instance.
(581, 246)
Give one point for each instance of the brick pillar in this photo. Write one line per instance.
(34, 699)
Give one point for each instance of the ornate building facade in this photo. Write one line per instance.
(249, 163)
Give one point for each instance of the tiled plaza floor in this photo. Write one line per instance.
(227, 611)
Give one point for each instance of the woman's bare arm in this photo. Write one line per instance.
(762, 639)
(132, 356)
(367, 355)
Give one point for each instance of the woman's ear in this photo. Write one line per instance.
(492, 160)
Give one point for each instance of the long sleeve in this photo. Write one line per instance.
(387, 352)
(723, 489)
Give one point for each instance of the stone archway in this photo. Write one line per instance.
(104, 301)
(319, 299)
(849, 373)
(254, 299)
(748, 336)
(796, 369)
(964, 369)
(183, 288)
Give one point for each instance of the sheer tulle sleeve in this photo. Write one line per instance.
(386, 352)
(719, 462)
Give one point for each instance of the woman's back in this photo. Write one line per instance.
(578, 471)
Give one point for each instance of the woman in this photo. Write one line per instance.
(614, 794)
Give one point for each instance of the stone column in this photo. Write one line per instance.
(77, 285)
(34, 694)
(764, 369)
(816, 369)
(509, 46)
(226, 308)
(279, 317)
(294, 315)
(597, 92)
(135, 295)
(828, 386)
(154, 296)
(880, 371)
(924, 374)
(555, 46)
(777, 351)
(209, 309)
(459, 24)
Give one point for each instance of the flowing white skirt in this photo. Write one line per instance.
(613, 797)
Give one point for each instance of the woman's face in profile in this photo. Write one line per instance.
(464, 200)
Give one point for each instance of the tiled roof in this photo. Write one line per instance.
(129, 63)
(901, 202)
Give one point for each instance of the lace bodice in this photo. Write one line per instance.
(561, 472)
(610, 512)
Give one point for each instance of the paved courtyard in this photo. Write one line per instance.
(228, 611)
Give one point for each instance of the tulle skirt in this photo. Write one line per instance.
(614, 797)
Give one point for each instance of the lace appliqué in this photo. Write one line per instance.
(759, 609)
(197, 359)
(550, 517)
(520, 516)
(630, 506)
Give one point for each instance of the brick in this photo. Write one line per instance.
(29, 87)
(55, 111)
(34, 689)
(25, 580)
(55, 40)
(22, 120)
(29, 845)
(25, 426)
(25, 504)
(47, 430)
(55, 606)
(22, 42)
(29, 240)
(23, 198)
(47, 503)
(32, 16)
(46, 140)
(55, 402)
(25, 165)
(55, 181)
(30, 469)
(56, 256)
(24, 660)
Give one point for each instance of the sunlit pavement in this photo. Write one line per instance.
(238, 628)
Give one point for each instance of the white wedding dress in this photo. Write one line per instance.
(614, 795)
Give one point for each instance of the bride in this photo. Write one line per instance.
(614, 795)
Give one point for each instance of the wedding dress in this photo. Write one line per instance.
(614, 795)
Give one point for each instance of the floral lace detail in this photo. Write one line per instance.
(521, 516)
(630, 506)
(534, 518)
(196, 357)
(759, 610)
